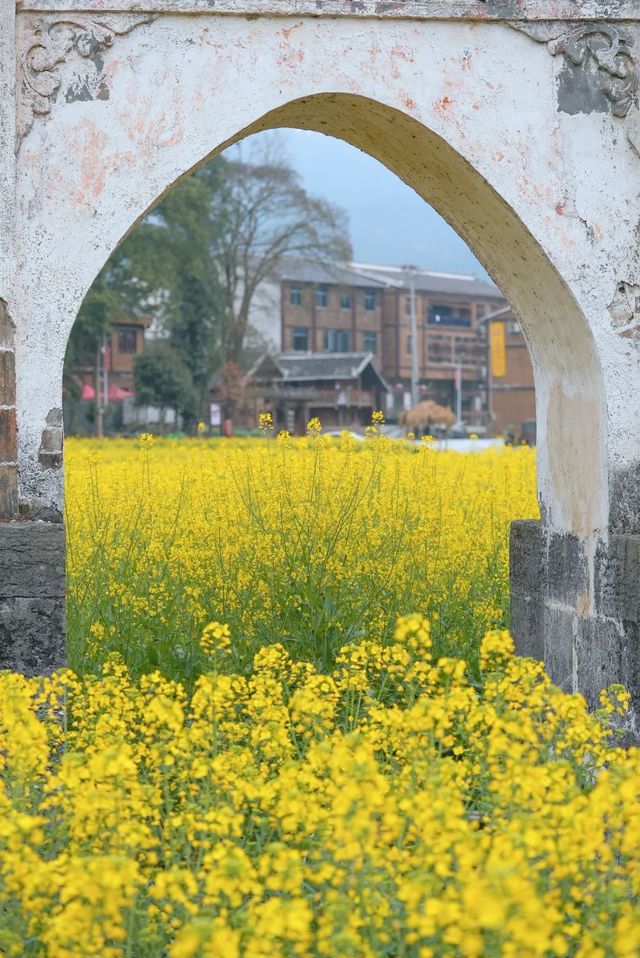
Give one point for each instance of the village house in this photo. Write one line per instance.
(341, 389)
(110, 373)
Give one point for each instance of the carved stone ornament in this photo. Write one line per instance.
(600, 72)
(65, 55)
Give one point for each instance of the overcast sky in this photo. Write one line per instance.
(390, 224)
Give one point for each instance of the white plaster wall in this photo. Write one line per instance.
(464, 112)
(7, 147)
(483, 10)
(265, 316)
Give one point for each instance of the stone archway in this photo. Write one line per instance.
(512, 134)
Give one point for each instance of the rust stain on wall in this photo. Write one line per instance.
(573, 434)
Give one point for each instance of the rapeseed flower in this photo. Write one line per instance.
(260, 816)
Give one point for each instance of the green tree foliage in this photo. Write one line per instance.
(163, 379)
(116, 292)
(175, 249)
(162, 269)
(196, 261)
(265, 217)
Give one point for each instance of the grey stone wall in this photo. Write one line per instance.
(32, 597)
(577, 607)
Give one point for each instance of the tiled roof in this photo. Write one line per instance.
(372, 276)
(328, 274)
(311, 366)
(430, 281)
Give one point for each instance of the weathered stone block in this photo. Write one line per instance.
(567, 571)
(6, 329)
(32, 635)
(7, 435)
(32, 597)
(50, 452)
(527, 625)
(631, 668)
(7, 377)
(599, 656)
(527, 550)
(32, 560)
(8, 491)
(588, 637)
(624, 492)
(629, 603)
(617, 578)
(558, 628)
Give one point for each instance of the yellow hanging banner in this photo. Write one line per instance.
(498, 349)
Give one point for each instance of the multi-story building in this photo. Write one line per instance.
(367, 308)
(512, 398)
(334, 309)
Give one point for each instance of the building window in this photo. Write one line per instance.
(345, 301)
(407, 306)
(409, 343)
(449, 316)
(370, 341)
(514, 327)
(301, 339)
(322, 297)
(336, 341)
(296, 296)
(128, 341)
(369, 299)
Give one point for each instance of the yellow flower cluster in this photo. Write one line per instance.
(285, 813)
(216, 637)
(265, 422)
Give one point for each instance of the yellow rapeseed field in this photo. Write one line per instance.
(310, 542)
(270, 744)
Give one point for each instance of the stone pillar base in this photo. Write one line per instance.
(32, 597)
(580, 614)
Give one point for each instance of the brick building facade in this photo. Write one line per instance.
(112, 379)
(512, 397)
(367, 308)
(330, 309)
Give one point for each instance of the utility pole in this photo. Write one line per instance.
(99, 417)
(101, 386)
(458, 394)
(415, 376)
(105, 375)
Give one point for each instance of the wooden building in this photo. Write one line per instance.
(341, 389)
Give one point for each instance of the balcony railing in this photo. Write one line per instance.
(323, 397)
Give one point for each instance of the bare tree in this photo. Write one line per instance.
(229, 388)
(267, 217)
